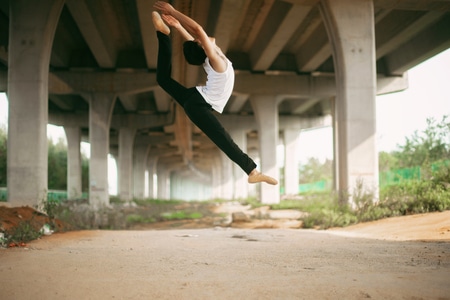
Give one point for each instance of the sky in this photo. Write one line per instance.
(399, 114)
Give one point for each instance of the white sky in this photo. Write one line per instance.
(398, 114)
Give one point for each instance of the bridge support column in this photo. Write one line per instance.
(240, 190)
(140, 163)
(291, 176)
(100, 112)
(163, 183)
(226, 182)
(125, 168)
(73, 135)
(151, 167)
(216, 175)
(350, 27)
(32, 28)
(266, 112)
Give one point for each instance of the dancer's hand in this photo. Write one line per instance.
(164, 7)
(171, 21)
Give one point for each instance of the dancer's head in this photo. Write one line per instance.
(194, 53)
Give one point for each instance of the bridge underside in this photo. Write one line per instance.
(89, 66)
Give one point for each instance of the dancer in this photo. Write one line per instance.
(198, 102)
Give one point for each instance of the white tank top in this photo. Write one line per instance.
(219, 86)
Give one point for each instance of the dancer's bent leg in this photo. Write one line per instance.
(201, 115)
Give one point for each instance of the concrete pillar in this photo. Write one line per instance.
(139, 163)
(31, 31)
(240, 190)
(266, 113)
(335, 147)
(100, 112)
(350, 26)
(73, 135)
(291, 176)
(125, 163)
(226, 182)
(216, 176)
(151, 168)
(163, 183)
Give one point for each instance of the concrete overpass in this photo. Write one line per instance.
(89, 66)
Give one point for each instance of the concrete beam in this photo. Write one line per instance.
(66, 82)
(438, 5)
(263, 57)
(3, 56)
(3, 81)
(148, 34)
(386, 85)
(162, 99)
(100, 46)
(315, 51)
(129, 102)
(285, 85)
(152, 140)
(302, 106)
(60, 103)
(236, 103)
(230, 13)
(409, 32)
(424, 45)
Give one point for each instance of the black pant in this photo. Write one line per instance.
(196, 108)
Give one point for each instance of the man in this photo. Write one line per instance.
(199, 49)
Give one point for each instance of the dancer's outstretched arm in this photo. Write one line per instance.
(197, 32)
(172, 22)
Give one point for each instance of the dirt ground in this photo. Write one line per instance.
(396, 258)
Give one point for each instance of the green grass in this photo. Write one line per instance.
(409, 197)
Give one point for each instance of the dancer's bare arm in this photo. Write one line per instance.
(197, 32)
(172, 22)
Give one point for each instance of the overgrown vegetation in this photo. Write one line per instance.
(23, 233)
(123, 215)
(429, 194)
(426, 192)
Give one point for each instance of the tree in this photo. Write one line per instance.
(314, 170)
(57, 165)
(432, 145)
(386, 161)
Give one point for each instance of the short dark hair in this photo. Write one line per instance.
(194, 53)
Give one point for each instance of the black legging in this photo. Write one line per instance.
(196, 108)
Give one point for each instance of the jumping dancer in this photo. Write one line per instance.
(198, 102)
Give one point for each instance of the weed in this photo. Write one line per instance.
(50, 208)
(135, 218)
(181, 215)
(26, 231)
(408, 197)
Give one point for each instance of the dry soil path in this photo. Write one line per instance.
(356, 263)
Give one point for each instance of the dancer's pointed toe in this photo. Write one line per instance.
(159, 23)
(255, 177)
